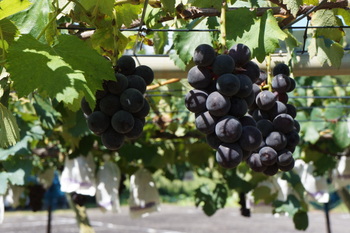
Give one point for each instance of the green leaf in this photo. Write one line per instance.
(301, 220)
(205, 3)
(293, 6)
(8, 30)
(235, 182)
(65, 71)
(10, 7)
(17, 177)
(333, 111)
(341, 134)
(262, 37)
(19, 148)
(264, 193)
(47, 114)
(168, 5)
(311, 134)
(34, 19)
(327, 18)
(3, 182)
(238, 22)
(127, 13)
(290, 206)
(220, 194)
(326, 51)
(344, 13)
(9, 131)
(186, 42)
(102, 6)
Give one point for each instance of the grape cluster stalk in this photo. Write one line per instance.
(121, 107)
(241, 120)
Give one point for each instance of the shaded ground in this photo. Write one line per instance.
(172, 219)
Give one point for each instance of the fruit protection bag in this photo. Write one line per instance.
(2, 208)
(108, 181)
(78, 175)
(316, 186)
(144, 197)
(341, 175)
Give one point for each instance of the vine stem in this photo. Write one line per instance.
(223, 26)
(155, 86)
(52, 20)
(115, 39)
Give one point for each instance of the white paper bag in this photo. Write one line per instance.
(144, 197)
(341, 175)
(108, 181)
(316, 186)
(78, 176)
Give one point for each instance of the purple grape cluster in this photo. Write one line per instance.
(120, 107)
(226, 89)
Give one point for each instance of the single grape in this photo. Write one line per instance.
(85, 107)
(199, 77)
(205, 122)
(228, 84)
(125, 65)
(265, 100)
(246, 86)
(268, 155)
(238, 108)
(283, 123)
(228, 129)
(217, 104)
(145, 72)
(223, 64)
(204, 55)
(132, 100)
(255, 163)
(280, 83)
(240, 53)
(122, 121)
(229, 155)
(98, 122)
(250, 139)
(195, 101)
(110, 104)
(118, 86)
(137, 130)
(137, 82)
(276, 140)
(280, 68)
(112, 140)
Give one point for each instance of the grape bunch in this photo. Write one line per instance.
(225, 91)
(275, 118)
(120, 107)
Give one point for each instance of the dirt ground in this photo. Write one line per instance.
(172, 219)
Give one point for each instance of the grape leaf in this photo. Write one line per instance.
(34, 19)
(9, 131)
(311, 134)
(293, 6)
(290, 206)
(326, 51)
(301, 220)
(327, 18)
(100, 6)
(10, 7)
(238, 22)
(47, 114)
(168, 5)
(186, 42)
(341, 134)
(333, 111)
(126, 13)
(3, 182)
(16, 177)
(8, 29)
(64, 71)
(205, 3)
(344, 13)
(262, 37)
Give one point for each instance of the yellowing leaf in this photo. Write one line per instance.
(9, 132)
(10, 7)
